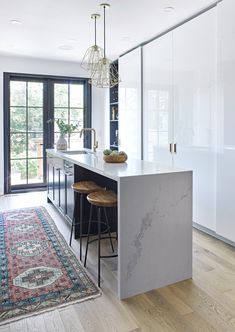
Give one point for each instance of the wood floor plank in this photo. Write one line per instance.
(164, 312)
(181, 307)
(53, 321)
(5, 328)
(70, 320)
(19, 326)
(197, 323)
(36, 323)
(202, 303)
(141, 309)
(89, 318)
(116, 317)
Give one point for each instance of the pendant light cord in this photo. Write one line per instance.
(95, 30)
(104, 32)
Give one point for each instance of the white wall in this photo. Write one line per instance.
(15, 64)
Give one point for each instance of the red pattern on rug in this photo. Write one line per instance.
(38, 269)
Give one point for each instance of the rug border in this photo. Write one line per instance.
(60, 306)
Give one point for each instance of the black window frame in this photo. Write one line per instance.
(48, 132)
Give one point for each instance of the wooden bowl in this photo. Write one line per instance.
(115, 159)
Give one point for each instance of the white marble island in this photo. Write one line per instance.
(154, 221)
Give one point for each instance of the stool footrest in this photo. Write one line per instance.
(110, 256)
(95, 222)
(102, 238)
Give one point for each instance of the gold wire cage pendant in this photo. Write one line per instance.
(105, 74)
(91, 58)
(94, 53)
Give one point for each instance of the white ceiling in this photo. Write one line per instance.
(48, 25)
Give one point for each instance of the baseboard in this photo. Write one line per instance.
(212, 233)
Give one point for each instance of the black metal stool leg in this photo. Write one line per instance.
(107, 221)
(74, 217)
(88, 234)
(80, 223)
(99, 231)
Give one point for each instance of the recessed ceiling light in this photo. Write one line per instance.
(66, 47)
(168, 9)
(16, 22)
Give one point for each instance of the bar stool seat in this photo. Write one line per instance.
(102, 200)
(86, 187)
(81, 188)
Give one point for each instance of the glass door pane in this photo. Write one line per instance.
(26, 133)
(69, 106)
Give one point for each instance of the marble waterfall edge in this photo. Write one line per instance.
(155, 245)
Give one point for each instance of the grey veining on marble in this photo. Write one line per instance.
(137, 242)
(155, 232)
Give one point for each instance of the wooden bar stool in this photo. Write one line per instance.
(102, 200)
(81, 188)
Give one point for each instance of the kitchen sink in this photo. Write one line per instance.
(74, 152)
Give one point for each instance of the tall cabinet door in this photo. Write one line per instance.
(130, 104)
(195, 110)
(158, 99)
(225, 223)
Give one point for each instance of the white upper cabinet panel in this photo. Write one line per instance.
(158, 99)
(195, 110)
(225, 223)
(130, 104)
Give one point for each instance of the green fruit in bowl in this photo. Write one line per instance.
(107, 152)
(114, 153)
(122, 153)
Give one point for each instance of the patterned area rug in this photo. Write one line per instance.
(38, 270)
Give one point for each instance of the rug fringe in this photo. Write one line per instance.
(57, 307)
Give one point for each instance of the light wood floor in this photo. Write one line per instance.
(205, 303)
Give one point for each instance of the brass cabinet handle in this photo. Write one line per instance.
(175, 148)
(170, 146)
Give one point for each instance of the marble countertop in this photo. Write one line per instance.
(132, 167)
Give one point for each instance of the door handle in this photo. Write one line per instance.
(170, 147)
(175, 147)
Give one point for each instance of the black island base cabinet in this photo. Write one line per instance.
(61, 174)
(60, 177)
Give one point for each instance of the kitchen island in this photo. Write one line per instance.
(154, 217)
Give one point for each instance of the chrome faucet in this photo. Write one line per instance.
(95, 142)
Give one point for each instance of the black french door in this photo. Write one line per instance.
(29, 102)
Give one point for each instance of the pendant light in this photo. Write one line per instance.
(105, 74)
(93, 53)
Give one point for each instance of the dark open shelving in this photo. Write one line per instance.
(113, 115)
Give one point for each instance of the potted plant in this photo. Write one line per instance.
(64, 129)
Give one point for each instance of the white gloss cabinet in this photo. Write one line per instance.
(130, 104)
(189, 100)
(225, 222)
(180, 107)
(158, 99)
(195, 110)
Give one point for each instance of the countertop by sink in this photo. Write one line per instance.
(132, 167)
